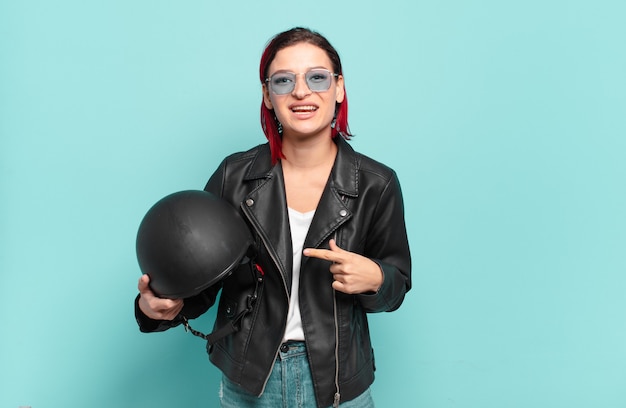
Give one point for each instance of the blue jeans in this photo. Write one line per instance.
(290, 386)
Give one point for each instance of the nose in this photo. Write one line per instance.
(300, 89)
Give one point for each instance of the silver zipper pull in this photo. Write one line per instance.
(337, 398)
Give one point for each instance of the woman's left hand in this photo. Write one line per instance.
(352, 273)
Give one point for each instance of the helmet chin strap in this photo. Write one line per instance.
(234, 325)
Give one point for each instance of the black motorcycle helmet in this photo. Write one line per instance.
(189, 241)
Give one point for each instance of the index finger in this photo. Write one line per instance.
(323, 254)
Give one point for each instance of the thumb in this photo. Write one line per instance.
(333, 246)
(143, 284)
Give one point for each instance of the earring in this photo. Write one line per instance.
(280, 127)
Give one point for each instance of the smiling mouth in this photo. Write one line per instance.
(304, 109)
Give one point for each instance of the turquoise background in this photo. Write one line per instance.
(505, 120)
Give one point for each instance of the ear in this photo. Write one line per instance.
(266, 97)
(340, 91)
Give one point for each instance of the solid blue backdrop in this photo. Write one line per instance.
(504, 120)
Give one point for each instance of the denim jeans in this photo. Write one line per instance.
(290, 386)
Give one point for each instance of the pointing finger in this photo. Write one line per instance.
(334, 254)
(322, 254)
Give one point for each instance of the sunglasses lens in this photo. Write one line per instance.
(282, 83)
(318, 80)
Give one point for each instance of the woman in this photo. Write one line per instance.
(331, 243)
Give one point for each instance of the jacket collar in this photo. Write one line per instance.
(344, 176)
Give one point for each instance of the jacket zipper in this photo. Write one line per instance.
(337, 397)
(288, 300)
(273, 256)
(337, 394)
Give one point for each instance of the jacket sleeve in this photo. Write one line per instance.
(194, 307)
(387, 245)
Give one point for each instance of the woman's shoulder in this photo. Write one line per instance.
(250, 164)
(369, 165)
(373, 165)
(250, 154)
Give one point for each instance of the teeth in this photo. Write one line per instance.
(304, 108)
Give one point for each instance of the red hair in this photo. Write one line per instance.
(269, 123)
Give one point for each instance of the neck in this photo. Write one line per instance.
(309, 153)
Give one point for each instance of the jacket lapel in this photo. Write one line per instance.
(332, 210)
(266, 208)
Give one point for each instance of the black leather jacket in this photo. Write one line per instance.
(362, 209)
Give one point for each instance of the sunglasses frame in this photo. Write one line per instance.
(306, 80)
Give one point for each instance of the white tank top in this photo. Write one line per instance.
(299, 223)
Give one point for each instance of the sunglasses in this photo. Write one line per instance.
(318, 80)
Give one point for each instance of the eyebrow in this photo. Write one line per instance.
(307, 70)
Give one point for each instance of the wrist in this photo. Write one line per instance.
(381, 280)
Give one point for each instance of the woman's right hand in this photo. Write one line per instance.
(155, 307)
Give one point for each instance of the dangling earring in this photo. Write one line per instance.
(279, 125)
(333, 123)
